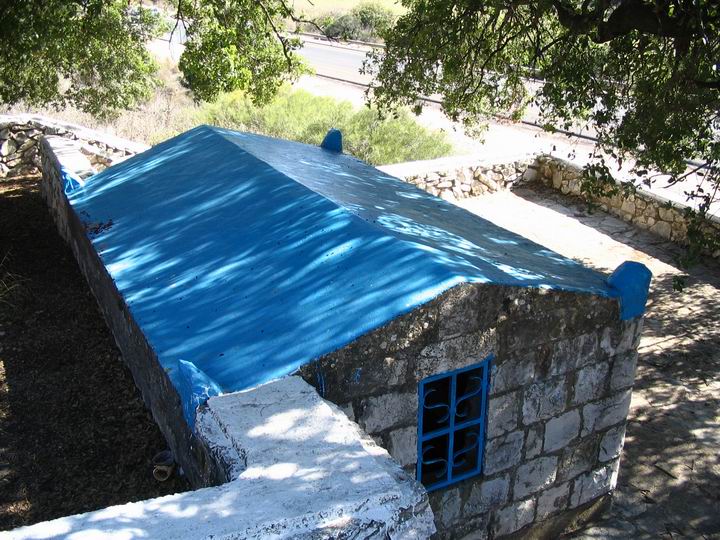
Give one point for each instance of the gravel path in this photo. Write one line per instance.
(669, 484)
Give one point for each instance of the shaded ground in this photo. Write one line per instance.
(669, 483)
(74, 433)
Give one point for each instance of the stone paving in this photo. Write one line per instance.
(669, 484)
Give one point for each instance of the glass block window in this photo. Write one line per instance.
(451, 425)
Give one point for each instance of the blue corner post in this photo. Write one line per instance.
(333, 141)
(631, 281)
(195, 388)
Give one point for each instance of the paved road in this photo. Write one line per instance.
(341, 62)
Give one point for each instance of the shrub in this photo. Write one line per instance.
(345, 26)
(367, 21)
(374, 17)
(301, 116)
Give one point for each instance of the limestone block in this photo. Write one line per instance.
(453, 353)
(569, 354)
(590, 382)
(534, 440)
(616, 341)
(347, 408)
(544, 400)
(514, 517)
(561, 430)
(503, 414)
(628, 207)
(379, 413)
(448, 196)
(577, 459)
(503, 452)
(403, 445)
(612, 443)
(7, 148)
(447, 511)
(607, 412)
(651, 211)
(487, 495)
(623, 370)
(477, 189)
(666, 214)
(594, 484)
(553, 501)
(662, 228)
(534, 476)
(512, 373)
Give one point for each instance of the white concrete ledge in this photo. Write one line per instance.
(301, 469)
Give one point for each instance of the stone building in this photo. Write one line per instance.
(288, 312)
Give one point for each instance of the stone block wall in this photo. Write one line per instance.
(474, 178)
(560, 392)
(20, 135)
(462, 179)
(644, 209)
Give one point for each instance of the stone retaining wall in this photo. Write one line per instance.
(19, 137)
(560, 392)
(453, 179)
(644, 209)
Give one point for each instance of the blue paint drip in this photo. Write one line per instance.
(356, 375)
(70, 180)
(631, 280)
(195, 388)
(320, 383)
(333, 141)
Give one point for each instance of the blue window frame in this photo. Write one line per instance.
(451, 425)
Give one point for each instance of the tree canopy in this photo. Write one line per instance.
(92, 54)
(89, 53)
(645, 74)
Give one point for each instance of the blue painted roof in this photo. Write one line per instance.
(249, 256)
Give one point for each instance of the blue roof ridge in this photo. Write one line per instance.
(373, 225)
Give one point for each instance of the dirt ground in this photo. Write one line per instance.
(74, 433)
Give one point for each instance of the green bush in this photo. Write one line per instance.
(304, 117)
(346, 26)
(367, 21)
(374, 17)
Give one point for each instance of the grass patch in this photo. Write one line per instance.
(301, 116)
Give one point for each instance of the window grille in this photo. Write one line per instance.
(451, 425)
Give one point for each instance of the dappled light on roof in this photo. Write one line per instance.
(251, 256)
